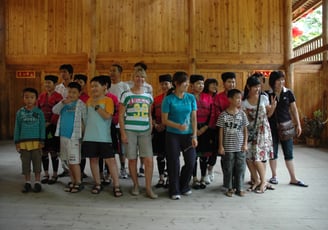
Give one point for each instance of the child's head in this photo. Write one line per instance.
(30, 95)
(107, 79)
(50, 82)
(81, 79)
(235, 97)
(165, 81)
(253, 86)
(229, 80)
(276, 79)
(66, 71)
(98, 86)
(74, 90)
(197, 83)
(115, 72)
(211, 86)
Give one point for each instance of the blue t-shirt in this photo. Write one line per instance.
(67, 120)
(179, 111)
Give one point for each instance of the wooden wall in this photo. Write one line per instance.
(198, 36)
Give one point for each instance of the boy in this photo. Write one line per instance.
(232, 125)
(97, 141)
(47, 100)
(117, 88)
(220, 103)
(72, 113)
(66, 73)
(82, 80)
(29, 138)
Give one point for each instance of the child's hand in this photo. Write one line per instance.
(17, 148)
(221, 150)
(244, 148)
(41, 146)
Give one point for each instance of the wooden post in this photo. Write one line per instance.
(288, 49)
(325, 63)
(93, 40)
(4, 83)
(192, 45)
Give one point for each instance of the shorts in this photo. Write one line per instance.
(93, 149)
(28, 156)
(138, 142)
(70, 150)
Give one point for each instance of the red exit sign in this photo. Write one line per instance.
(25, 74)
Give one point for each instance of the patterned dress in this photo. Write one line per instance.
(260, 149)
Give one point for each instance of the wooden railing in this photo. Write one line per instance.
(306, 48)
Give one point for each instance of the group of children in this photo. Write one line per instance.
(118, 118)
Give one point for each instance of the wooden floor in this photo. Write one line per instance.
(288, 207)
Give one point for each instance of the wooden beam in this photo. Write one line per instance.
(288, 49)
(93, 40)
(192, 35)
(321, 49)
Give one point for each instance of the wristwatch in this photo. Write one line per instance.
(97, 107)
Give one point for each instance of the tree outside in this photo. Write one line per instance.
(308, 27)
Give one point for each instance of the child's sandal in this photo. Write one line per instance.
(69, 187)
(117, 192)
(77, 188)
(96, 189)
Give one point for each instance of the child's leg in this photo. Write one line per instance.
(113, 170)
(75, 173)
(133, 173)
(55, 163)
(203, 165)
(45, 163)
(240, 166)
(94, 166)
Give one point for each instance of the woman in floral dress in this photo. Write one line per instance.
(260, 149)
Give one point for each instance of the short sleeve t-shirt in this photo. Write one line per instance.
(137, 111)
(233, 134)
(98, 129)
(179, 111)
(67, 120)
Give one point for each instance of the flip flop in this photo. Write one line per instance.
(299, 183)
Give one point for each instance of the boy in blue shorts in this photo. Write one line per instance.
(72, 113)
(29, 136)
(97, 141)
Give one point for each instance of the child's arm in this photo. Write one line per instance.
(17, 131)
(244, 147)
(121, 122)
(58, 107)
(221, 147)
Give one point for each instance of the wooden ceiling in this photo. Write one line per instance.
(303, 7)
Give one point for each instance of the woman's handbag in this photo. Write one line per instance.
(252, 132)
(286, 130)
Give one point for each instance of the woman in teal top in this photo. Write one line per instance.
(179, 115)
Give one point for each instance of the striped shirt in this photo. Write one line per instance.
(137, 111)
(233, 130)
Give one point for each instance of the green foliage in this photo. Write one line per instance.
(311, 25)
(313, 127)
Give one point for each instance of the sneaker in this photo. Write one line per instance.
(175, 197)
(188, 193)
(64, 174)
(123, 174)
(229, 193)
(273, 180)
(206, 179)
(141, 172)
(37, 188)
(27, 188)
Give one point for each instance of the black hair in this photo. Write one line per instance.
(102, 80)
(207, 83)
(81, 77)
(251, 81)
(74, 85)
(67, 67)
(228, 75)
(259, 75)
(178, 78)
(31, 90)
(120, 69)
(233, 92)
(274, 76)
(196, 77)
(52, 78)
(142, 65)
